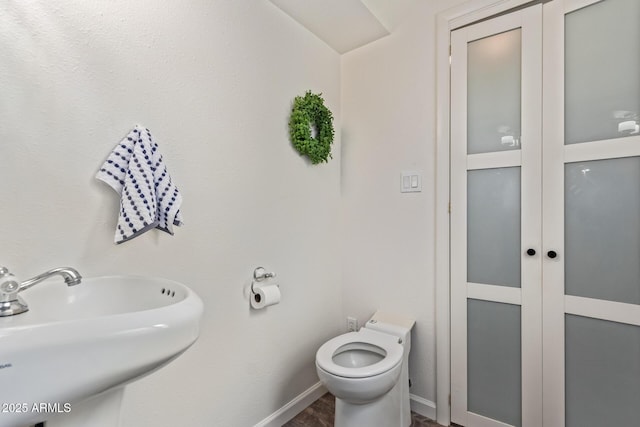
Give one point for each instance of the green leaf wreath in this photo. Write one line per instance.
(309, 111)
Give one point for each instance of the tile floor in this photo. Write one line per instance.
(320, 414)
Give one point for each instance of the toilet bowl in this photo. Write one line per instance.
(367, 372)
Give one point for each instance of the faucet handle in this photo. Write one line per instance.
(10, 286)
(10, 301)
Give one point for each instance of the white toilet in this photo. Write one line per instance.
(368, 373)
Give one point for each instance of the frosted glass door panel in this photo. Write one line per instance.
(493, 226)
(602, 371)
(493, 93)
(602, 229)
(602, 71)
(494, 361)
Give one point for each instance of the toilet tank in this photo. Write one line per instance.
(392, 324)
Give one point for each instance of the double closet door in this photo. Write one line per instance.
(545, 217)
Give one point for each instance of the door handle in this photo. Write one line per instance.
(531, 252)
(552, 254)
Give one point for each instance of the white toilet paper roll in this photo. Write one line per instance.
(265, 296)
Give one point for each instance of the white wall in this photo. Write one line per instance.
(388, 126)
(214, 81)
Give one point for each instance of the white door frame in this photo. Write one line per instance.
(447, 21)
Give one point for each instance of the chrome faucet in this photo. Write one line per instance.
(11, 303)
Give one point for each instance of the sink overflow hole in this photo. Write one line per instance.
(168, 292)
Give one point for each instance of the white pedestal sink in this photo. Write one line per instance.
(67, 359)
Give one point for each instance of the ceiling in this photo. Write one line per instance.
(347, 24)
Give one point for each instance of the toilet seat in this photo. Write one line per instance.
(388, 344)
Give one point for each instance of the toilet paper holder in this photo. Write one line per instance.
(260, 274)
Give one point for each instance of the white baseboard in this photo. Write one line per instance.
(419, 405)
(422, 406)
(294, 407)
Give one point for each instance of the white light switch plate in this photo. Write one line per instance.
(410, 182)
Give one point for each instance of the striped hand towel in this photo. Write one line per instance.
(148, 197)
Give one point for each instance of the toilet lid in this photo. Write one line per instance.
(363, 339)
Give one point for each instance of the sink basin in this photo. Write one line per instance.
(78, 342)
